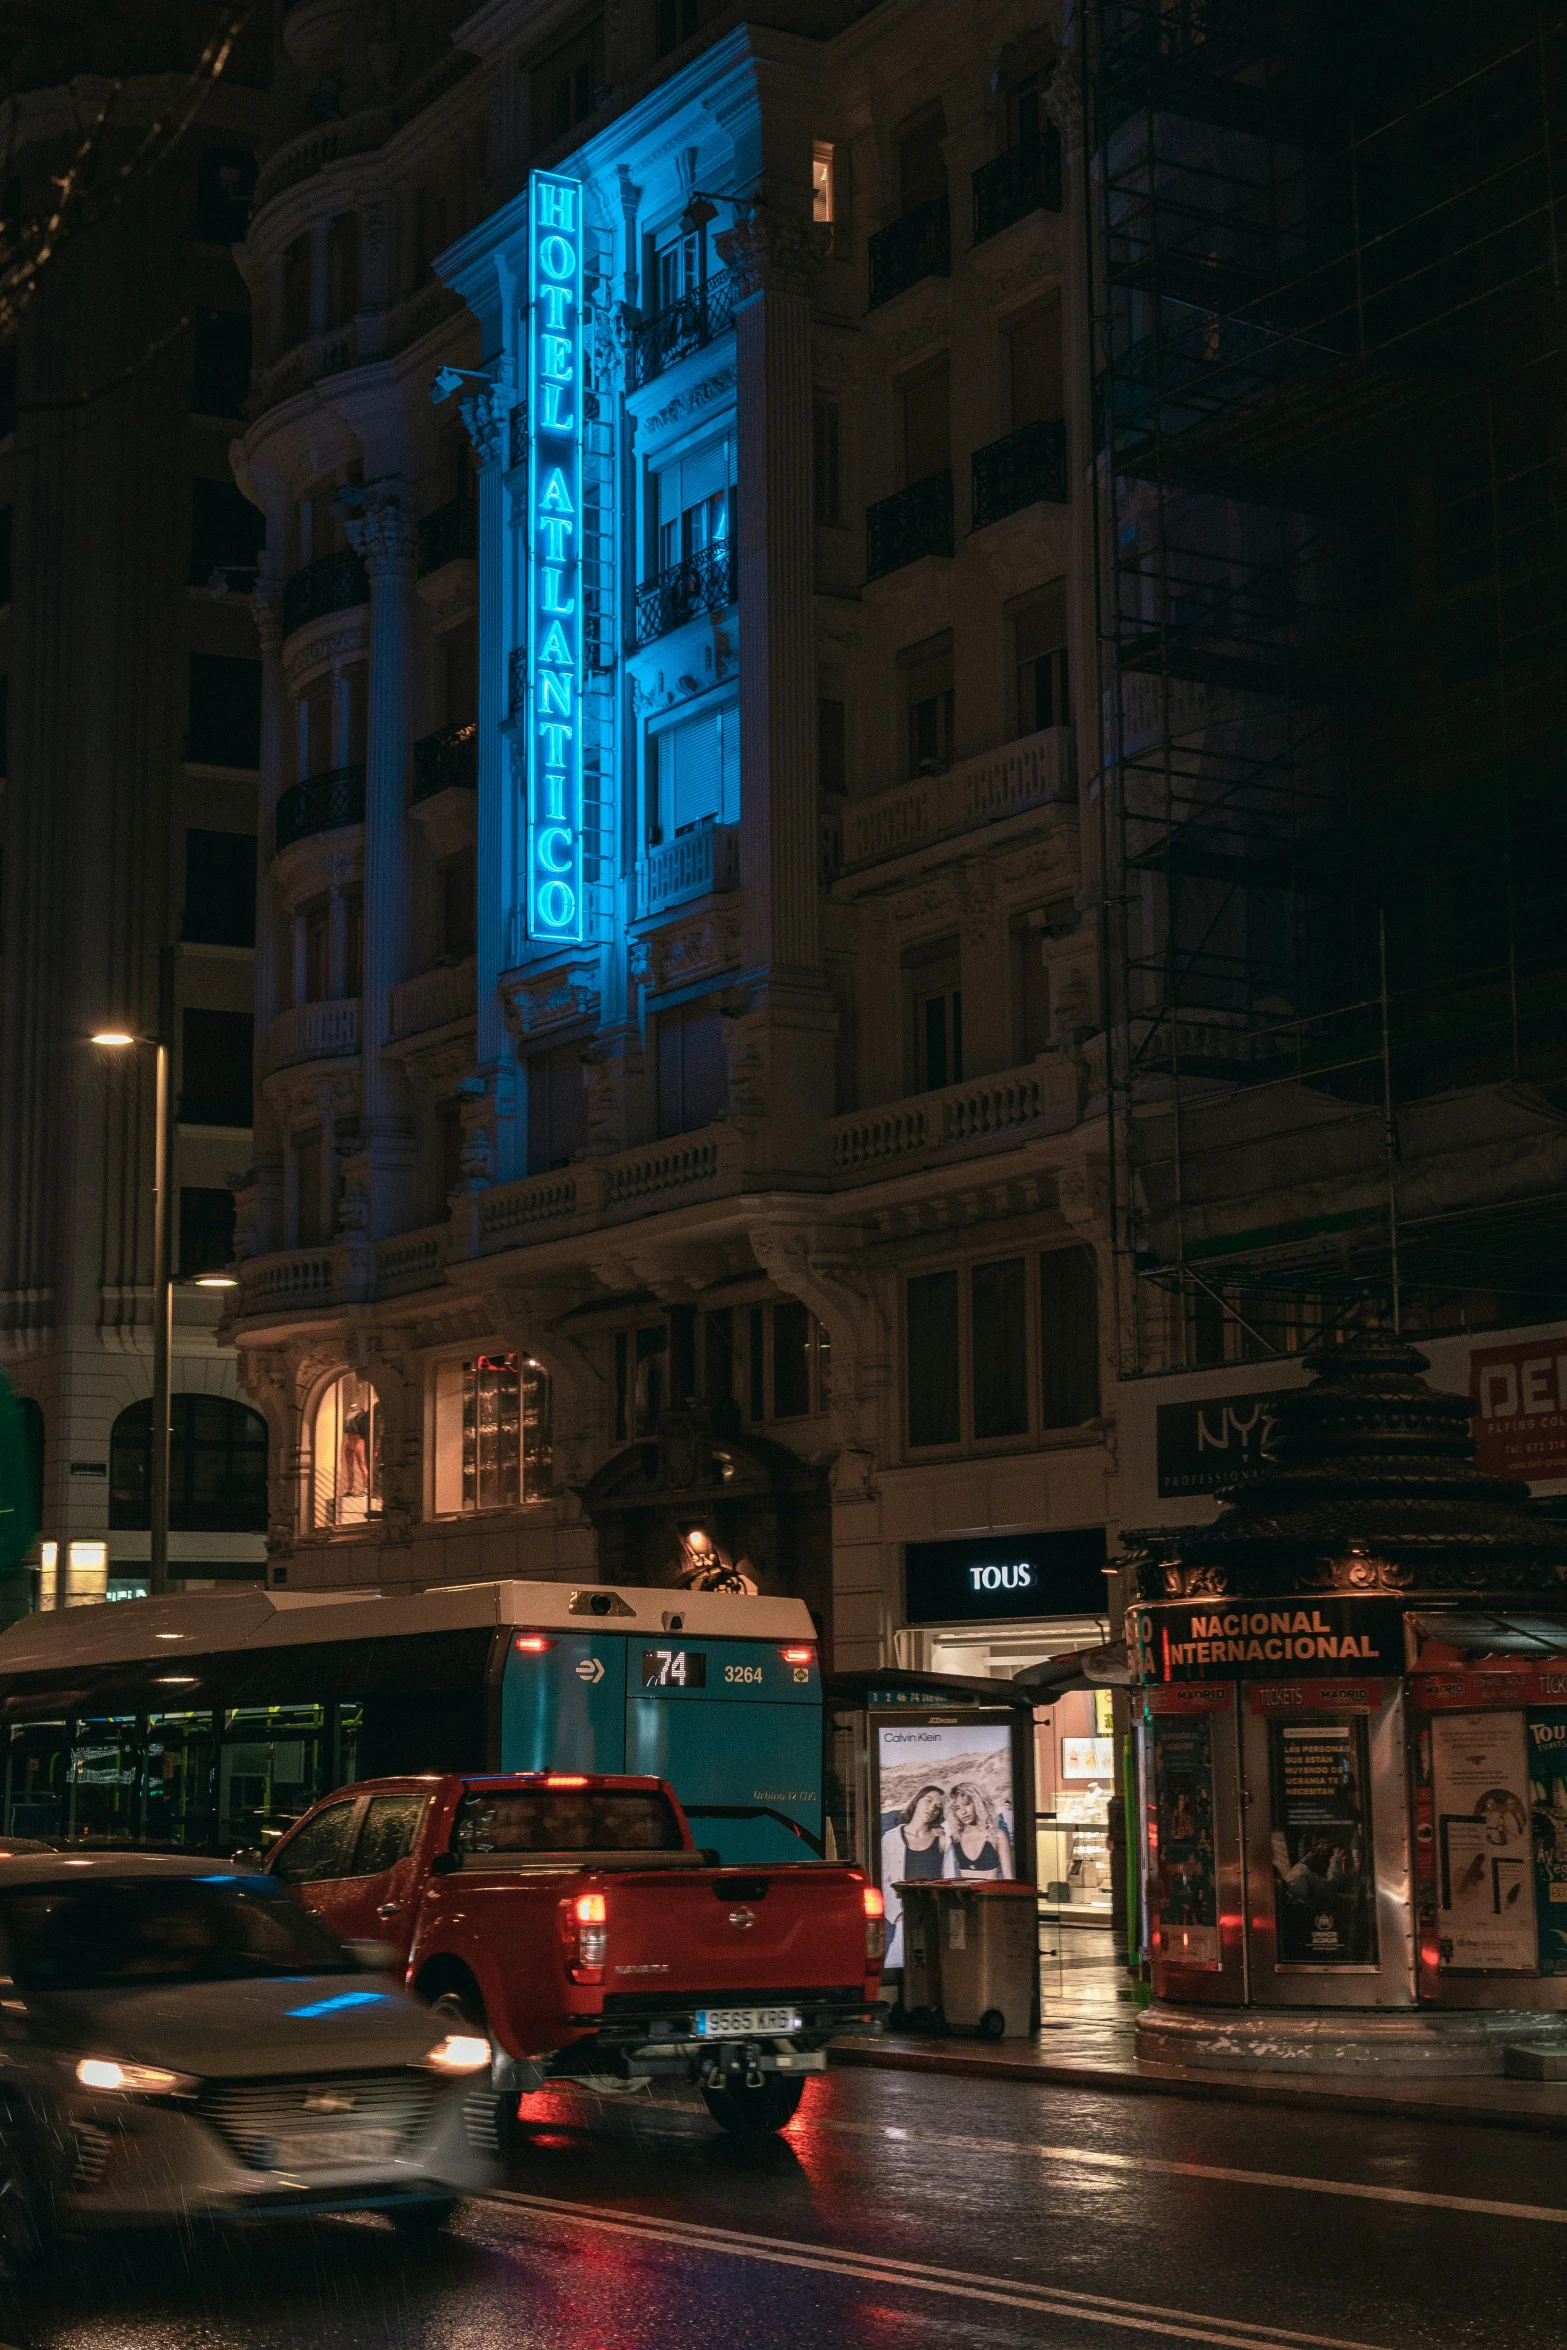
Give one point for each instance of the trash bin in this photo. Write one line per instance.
(921, 2000)
(989, 1959)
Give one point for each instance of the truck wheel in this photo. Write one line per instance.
(752, 2113)
(464, 2010)
(421, 2223)
(992, 2024)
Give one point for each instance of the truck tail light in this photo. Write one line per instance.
(875, 1925)
(585, 1932)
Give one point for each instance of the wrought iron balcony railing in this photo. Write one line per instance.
(707, 311)
(448, 535)
(446, 760)
(919, 245)
(516, 679)
(1027, 465)
(703, 583)
(912, 522)
(1027, 178)
(333, 583)
(322, 803)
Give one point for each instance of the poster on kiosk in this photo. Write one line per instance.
(948, 1807)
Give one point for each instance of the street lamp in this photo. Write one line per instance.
(123, 1040)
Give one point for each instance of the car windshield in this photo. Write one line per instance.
(120, 1932)
(567, 1819)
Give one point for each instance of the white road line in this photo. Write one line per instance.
(1093, 2158)
(1046, 2300)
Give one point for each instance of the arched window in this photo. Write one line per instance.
(492, 1433)
(217, 1467)
(225, 183)
(345, 1454)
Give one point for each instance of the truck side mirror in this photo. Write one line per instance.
(446, 1864)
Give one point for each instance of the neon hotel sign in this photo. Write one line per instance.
(555, 886)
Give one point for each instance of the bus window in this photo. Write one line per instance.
(272, 1768)
(177, 1779)
(35, 1778)
(104, 1777)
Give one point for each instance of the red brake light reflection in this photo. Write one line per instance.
(532, 1643)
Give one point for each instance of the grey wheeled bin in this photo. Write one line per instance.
(989, 1957)
(922, 1931)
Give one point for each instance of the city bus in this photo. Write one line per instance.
(212, 1722)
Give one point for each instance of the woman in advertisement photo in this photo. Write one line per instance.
(913, 1844)
(978, 1844)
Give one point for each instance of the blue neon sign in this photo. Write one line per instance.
(555, 883)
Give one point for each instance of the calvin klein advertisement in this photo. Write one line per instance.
(948, 1808)
(1485, 1852)
(1185, 1889)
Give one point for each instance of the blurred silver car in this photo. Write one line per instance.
(179, 2039)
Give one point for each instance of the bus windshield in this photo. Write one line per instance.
(562, 1819)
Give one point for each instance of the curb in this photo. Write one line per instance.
(1216, 2088)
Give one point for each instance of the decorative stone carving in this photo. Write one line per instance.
(1064, 101)
(486, 415)
(683, 951)
(771, 249)
(564, 995)
(328, 648)
(825, 1267)
(979, 900)
(382, 531)
(718, 386)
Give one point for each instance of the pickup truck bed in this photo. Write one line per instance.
(575, 1918)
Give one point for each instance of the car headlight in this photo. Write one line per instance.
(459, 2052)
(134, 2080)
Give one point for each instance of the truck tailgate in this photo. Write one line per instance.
(727, 1930)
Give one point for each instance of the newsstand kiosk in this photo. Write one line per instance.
(1351, 1703)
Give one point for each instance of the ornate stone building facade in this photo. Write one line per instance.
(764, 1216)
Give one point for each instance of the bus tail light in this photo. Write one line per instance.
(532, 1643)
(798, 1656)
(585, 1932)
(875, 1925)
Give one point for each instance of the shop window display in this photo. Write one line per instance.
(492, 1444)
(345, 1467)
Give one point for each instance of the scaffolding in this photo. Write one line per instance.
(1332, 606)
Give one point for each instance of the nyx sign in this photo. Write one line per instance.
(1208, 1444)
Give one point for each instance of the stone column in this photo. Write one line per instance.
(267, 1147)
(783, 1045)
(383, 534)
(492, 1106)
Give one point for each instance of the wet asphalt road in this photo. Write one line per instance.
(900, 2211)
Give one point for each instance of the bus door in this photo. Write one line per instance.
(735, 1727)
(563, 1702)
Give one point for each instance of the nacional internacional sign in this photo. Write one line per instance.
(1227, 1639)
(556, 911)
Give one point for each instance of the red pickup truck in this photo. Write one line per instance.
(574, 1919)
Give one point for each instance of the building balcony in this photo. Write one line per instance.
(333, 583)
(446, 760)
(1033, 772)
(1027, 178)
(917, 246)
(702, 583)
(449, 535)
(314, 1032)
(298, 1280)
(322, 803)
(991, 1113)
(1018, 471)
(695, 864)
(696, 319)
(435, 999)
(911, 523)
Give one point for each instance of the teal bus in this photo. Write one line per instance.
(213, 1721)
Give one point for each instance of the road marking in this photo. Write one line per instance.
(1048, 2300)
(1093, 2158)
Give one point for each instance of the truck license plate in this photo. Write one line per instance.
(323, 2149)
(744, 2023)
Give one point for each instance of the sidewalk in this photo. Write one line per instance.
(1085, 2041)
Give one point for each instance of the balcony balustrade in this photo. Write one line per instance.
(446, 760)
(998, 1111)
(435, 999)
(1030, 773)
(916, 246)
(314, 1032)
(1024, 467)
(702, 583)
(449, 535)
(693, 865)
(333, 583)
(322, 803)
(911, 523)
(1027, 178)
(696, 319)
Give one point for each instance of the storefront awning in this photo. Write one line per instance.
(1513, 1633)
(1082, 1668)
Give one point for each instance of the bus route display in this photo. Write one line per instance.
(674, 1668)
